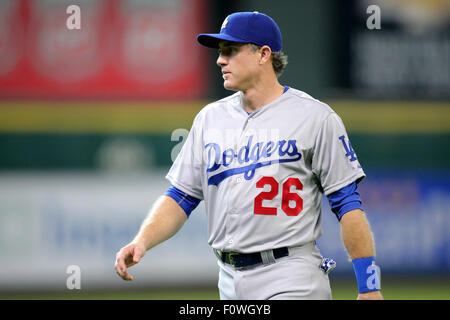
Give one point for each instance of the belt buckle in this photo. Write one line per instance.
(233, 261)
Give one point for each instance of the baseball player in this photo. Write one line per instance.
(262, 159)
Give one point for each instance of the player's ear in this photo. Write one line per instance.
(266, 53)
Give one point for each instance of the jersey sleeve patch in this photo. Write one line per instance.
(334, 160)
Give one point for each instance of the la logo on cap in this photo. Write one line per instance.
(224, 24)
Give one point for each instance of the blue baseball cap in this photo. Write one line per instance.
(246, 27)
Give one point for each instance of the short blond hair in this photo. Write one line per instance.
(279, 59)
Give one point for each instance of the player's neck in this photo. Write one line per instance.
(257, 97)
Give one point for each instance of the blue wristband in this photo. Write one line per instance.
(367, 274)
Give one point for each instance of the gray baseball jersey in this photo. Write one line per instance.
(263, 175)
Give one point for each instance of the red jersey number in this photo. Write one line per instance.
(287, 196)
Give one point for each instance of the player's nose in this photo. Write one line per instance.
(221, 60)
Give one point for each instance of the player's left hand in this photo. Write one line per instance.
(373, 295)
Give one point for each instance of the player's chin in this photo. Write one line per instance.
(230, 86)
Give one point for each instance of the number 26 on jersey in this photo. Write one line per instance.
(287, 198)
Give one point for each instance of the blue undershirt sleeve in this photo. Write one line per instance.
(185, 201)
(345, 200)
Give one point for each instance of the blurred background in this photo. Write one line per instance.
(91, 118)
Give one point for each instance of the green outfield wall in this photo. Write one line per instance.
(78, 135)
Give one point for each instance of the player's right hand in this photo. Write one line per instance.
(127, 257)
(372, 295)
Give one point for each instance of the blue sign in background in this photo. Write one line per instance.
(409, 215)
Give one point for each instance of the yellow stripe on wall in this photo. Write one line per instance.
(163, 117)
(394, 117)
(93, 117)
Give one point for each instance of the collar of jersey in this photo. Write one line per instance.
(286, 88)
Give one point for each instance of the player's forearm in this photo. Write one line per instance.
(356, 235)
(163, 221)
